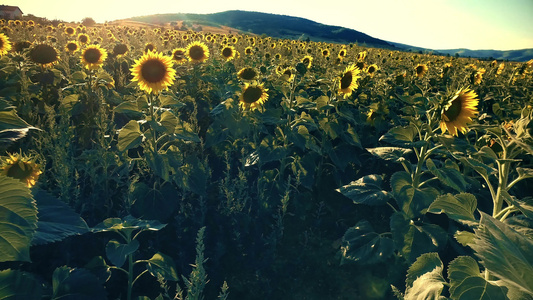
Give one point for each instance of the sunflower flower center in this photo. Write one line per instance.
(92, 56)
(72, 46)
(43, 54)
(252, 94)
(346, 80)
(196, 52)
(227, 52)
(153, 70)
(248, 74)
(20, 171)
(454, 110)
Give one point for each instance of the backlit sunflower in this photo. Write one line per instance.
(70, 31)
(459, 111)
(93, 57)
(307, 61)
(179, 55)
(72, 47)
(5, 44)
(83, 38)
(120, 50)
(348, 81)
(228, 52)
(247, 74)
(153, 72)
(197, 52)
(149, 47)
(253, 95)
(372, 69)
(21, 168)
(421, 70)
(44, 55)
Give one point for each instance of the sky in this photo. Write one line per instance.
(432, 24)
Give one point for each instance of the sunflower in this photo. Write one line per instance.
(252, 96)
(228, 52)
(5, 44)
(21, 45)
(197, 52)
(247, 74)
(459, 111)
(154, 72)
(372, 69)
(500, 69)
(21, 168)
(93, 57)
(421, 70)
(348, 81)
(248, 51)
(325, 52)
(149, 47)
(342, 53)
(288, 74)
(72, 47)
(70, 31)
(43, 54)
(179, 55)
(307, 61)
(361, 55)
(83, 38)
(120, 50)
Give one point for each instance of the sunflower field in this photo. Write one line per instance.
(152, 163)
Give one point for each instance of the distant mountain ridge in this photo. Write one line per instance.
(281, 26)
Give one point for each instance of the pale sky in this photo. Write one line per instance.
(433, 24)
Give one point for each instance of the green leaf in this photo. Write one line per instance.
(169, 121)
(350, 136)
(168, 100)
(130, 136)
(424, 278)
(9, 136)
(18, 220)
(478, 166)
(269, 151)
(505, 253)
(15, 285)
(128, 225)
(78, 76)
(70, 100)
(184, 132)
(117, 252)
(161, 264)
(56, 220)
(413, 239)
(467, 283)
(402, 136)
(129, 108)
(99, 268)
(363, 245)
(154, 203)
(193, 176)
(464, 237)
(366, 190)
(76, 284)
(459, 207)
(394, 154)
(412, 201)
(449, 177)
(10, 120)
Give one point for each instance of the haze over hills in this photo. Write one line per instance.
(281, 26)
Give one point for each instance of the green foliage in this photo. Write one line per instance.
(16, 284)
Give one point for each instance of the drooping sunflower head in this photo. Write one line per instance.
(153, 72)
(179, 55)
(120, 50)
(288, 74)
(348, 81)
(21, 168)
(21, 45)
(197, 52)
(421, 70)
(253, 95)
(247, 74)
(93, 57)
(5, 44)
(44, 55)
(72, 47)
(307, 61)
(459, 111)
(228, 53)
(83, 38)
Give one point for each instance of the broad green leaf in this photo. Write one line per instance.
(169, 121)
(363, 245)
(394, 154)
(76, 284)
(350, 136)
(413, 239)
(459, 207)
(10, 120)
(269, 151)
(99, 268)
(130, 136)
(402, 136)
(154, 203)
(78, 76)
(505, 253)
(483, 169)
(70, 100)
(193, 176)
(129, 108)
(18, 220)
(184, 132)
(466, 282)
(321, 102)
(412, 201)
(449, 177)
(342, 155)
(128, 225)
(161, 264)
(424, 278)
(56, 220)
(168, 100)
(15, 285)
(464, 237)
(117, 252)
(366, 190)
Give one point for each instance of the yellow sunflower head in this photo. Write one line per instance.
(93, 57)
(70, 31)
(120, 50)
(247, 74)
(248, 50)
(72, 47)
(325, 52)
(421, 70)
(307, 61)
(5, 44)
(44, 55)
(361, 55)
(149, 47)
(459, 111)
(197, 52)
(83, 38)
(348, 81)
(153, 72)
(372, 69)
(21, 168)
(342, 52)
(253, 95)
(179, 55)
(288, 74)
(228, 52)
